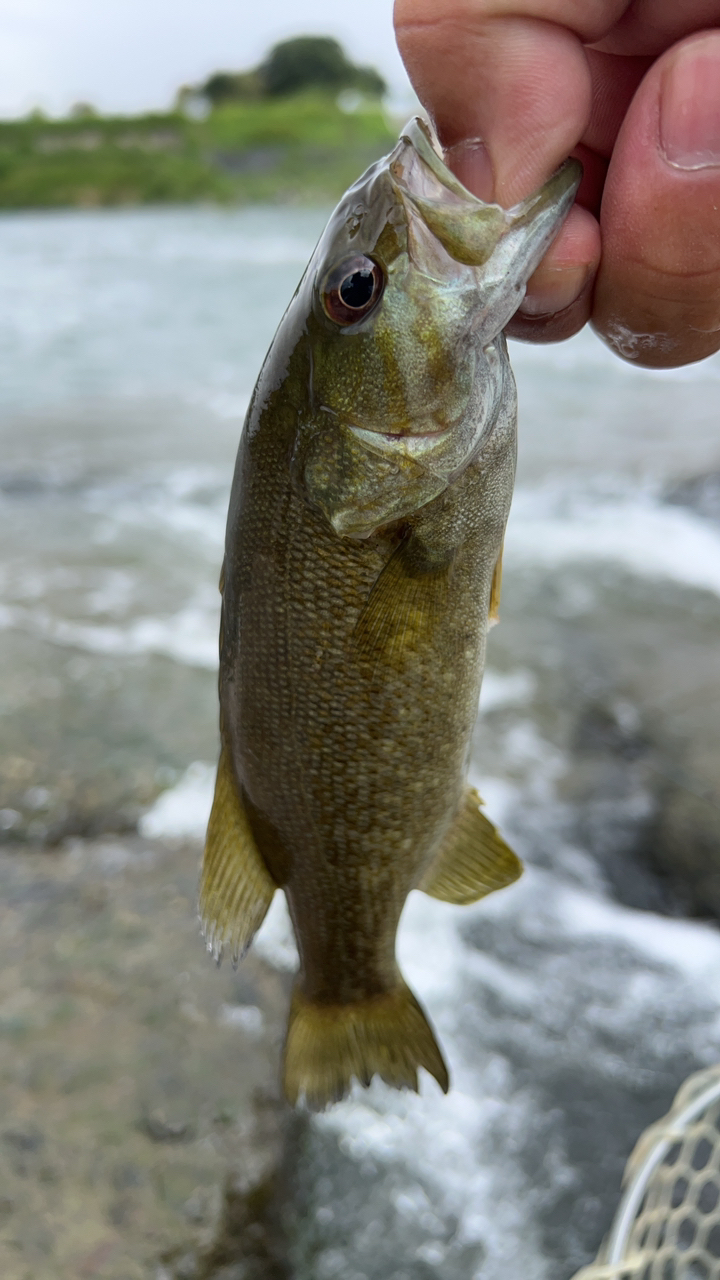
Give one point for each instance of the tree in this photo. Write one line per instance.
(232, 86)
(315, 62)
(307, 62)
(82, 111)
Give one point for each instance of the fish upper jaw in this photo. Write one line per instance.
(450, 229)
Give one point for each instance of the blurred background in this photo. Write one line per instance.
(163, 178)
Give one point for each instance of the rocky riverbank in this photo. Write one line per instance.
(136, 1079)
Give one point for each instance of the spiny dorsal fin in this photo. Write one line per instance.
(236, 888)
(495, 590)
(329, 1045)
(474, 859)
(402, 609)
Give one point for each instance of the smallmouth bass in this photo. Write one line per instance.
(362, 566)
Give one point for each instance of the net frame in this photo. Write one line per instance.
(667, 1225)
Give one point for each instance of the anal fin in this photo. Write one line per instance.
(473, 861)
(236, 887)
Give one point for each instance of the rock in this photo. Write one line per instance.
(24, 1139)
(159, 1129)
(626, 689)
(700, 493)
(687, 843)
(86, 747)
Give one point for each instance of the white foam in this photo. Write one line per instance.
(688, 946)
(460, 1153)
(438, 1139)
(189, 636)
(506, 688)
(644, 536)
(246, 1017)
(182, 810)
(275, 941)
(185, 500)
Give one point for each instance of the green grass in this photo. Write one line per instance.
(293, 149)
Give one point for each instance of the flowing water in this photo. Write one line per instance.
(571, 1006)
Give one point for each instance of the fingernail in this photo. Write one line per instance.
(690, 106)
(470, 162)
(555, 289)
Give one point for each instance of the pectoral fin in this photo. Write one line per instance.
(236, 887)
(403, 608)
(473, 861)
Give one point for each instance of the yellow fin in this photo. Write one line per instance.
(474, 859)
(495, 590)
(328, 1045)
(403, 607)
(236, 888)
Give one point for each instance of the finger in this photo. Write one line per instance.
(657, 297)
(651, 26)
(614, 82)
(520, 86)
(559, 294)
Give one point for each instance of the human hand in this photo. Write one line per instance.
(632, 87)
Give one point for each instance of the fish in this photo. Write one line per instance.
(361, 572)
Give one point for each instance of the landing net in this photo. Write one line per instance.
(667, 1226)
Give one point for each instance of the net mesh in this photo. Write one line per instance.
(667, 1226)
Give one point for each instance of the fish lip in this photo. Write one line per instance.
(423, 140)
(392, 437)
(381, 439)
(403, 435)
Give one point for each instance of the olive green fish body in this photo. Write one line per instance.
(372, 488)
(355, 759)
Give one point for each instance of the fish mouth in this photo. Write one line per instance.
(409, 431)
(413, 443)
(428, 428)
(469, 229)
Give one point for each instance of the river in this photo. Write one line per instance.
(570, 1006)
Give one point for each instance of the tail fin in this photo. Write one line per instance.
(388, 1035)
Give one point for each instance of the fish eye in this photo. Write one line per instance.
(352, 289)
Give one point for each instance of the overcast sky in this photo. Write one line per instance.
(126, 55)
